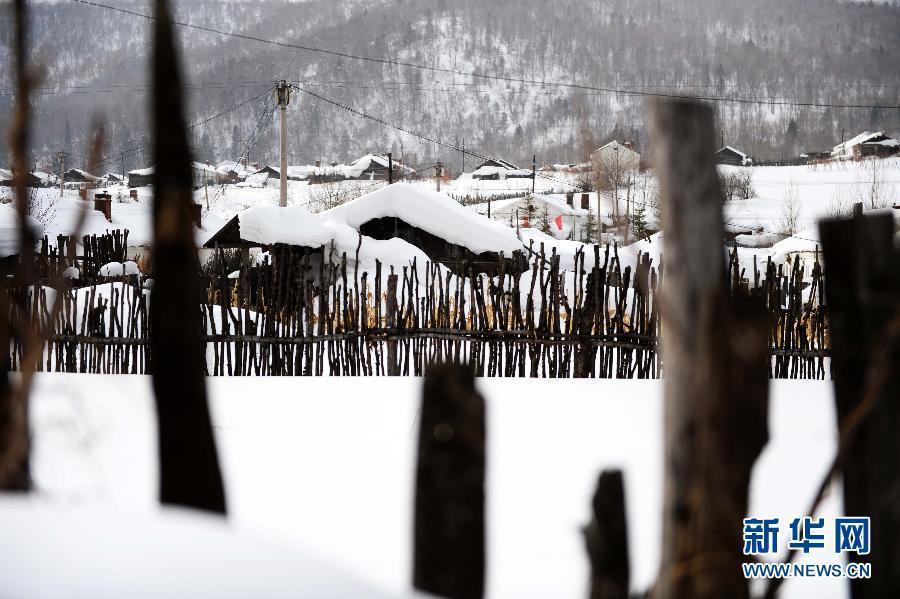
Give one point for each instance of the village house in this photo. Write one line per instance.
(616, 156)
(576, 216)
(201, 174)
(733, 157)
(866, 145)
(80, 177)
(497, 169)
(445, 231)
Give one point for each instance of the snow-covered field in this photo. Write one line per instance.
(326, 466)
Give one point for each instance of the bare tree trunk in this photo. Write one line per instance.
(189, 465)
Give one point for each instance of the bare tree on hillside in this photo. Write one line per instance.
(790, 210)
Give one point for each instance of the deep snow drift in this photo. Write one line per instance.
(328, 464)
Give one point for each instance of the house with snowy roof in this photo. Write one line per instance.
(375, 167)
(733, 157)
(266, 227)
(499, 169)
(866, 145)
(77, 175)
(617, 156)
(201, 174)
(447, 232)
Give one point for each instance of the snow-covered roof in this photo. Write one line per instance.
(487, 171)
(803, 242)
(292, 225)
(83, 174)
(366, 161)
(866, 137)
(5, 174)
(140, 172)
(430, 211)
(199, 166)
(733, 151)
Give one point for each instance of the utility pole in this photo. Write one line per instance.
(62, 172)
(438, 173)
(283, 98)
(464, 155)
(122, 162)
(533, 171)
(390, 169)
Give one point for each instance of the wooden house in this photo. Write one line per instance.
(496, 169)
(866, 145)
(733, 157)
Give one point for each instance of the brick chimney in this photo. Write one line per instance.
(103, 203)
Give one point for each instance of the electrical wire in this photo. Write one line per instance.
(508, 79)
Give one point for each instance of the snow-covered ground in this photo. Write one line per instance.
(821, 190)
(326, 465)
(814, 191)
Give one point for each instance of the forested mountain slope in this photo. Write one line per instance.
(806, 51)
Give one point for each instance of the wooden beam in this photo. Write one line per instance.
(449, 553)
(715, 427)
(606, 539)
(189, 465)
(863, 293)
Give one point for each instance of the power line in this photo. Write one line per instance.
(139, 148)
(424, 137)
(524, 81)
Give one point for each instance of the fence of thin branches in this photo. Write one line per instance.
(296, 314)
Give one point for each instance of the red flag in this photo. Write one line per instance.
(559, 222)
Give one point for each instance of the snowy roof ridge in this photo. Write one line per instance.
(430, 211)
(293, 225)
(733, 149)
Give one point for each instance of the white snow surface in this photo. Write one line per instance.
(292, 225)
(328, 465)
(119, 269)
(97, 553)
(9, 230)
(430, 211)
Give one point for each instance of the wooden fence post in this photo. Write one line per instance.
(391, 309)
(189, 465)
(863, 293)
(715, 426)
(449, 553)
(606, 539)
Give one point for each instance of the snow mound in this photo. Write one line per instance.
(119, 269)
(292, 225)
(9, 230)
(430, 211)
(64, 552)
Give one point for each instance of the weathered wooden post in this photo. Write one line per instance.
(391, 310)
(863, 292)
(189, 465)
(606, 539)
(449, 537)
(715, 354)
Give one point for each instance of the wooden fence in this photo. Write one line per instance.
(294, 314)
